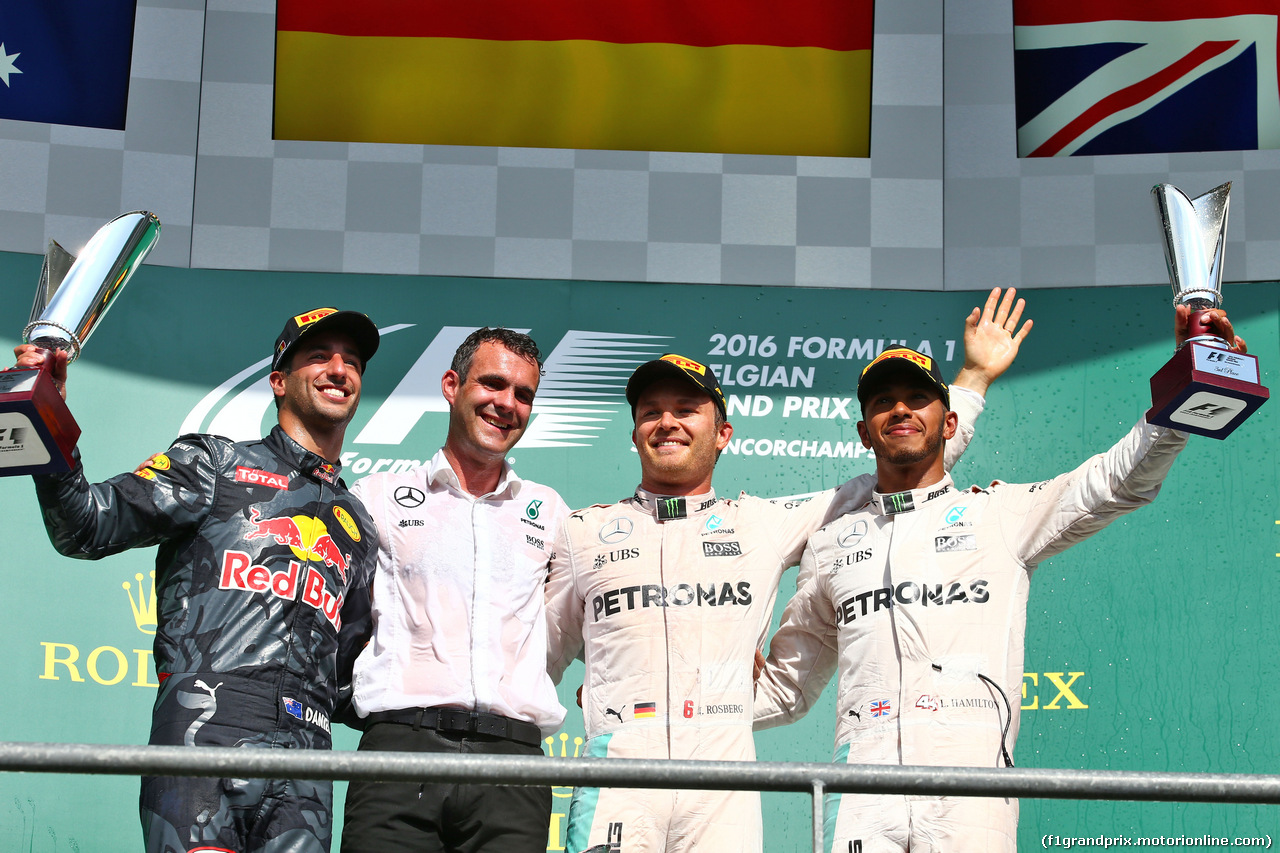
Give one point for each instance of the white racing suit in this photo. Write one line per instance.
(667, 606)
(920, 599)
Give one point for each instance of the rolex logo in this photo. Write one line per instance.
(550, 743)
(559, 819)
(143, 605)
(106, 664)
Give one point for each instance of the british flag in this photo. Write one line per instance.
(1138, 76)
(880, 708)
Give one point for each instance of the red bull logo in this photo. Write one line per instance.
(239, 572)
(326, 549)
(307, 537)
(285, 530)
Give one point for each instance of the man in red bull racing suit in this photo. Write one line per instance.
(919, 599)
(264, 559)
(668, 595)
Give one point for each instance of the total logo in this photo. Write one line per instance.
(582, 390)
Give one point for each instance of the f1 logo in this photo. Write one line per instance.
(13, 436)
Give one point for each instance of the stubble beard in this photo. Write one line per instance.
(906, 456)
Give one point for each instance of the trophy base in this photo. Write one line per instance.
(37, 432)
(1206, 390)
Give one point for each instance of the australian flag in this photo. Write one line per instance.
(292, 707)
(1145, 76)
(66, 61)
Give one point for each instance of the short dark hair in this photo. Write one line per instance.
(517, 342)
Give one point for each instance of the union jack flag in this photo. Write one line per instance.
(880, 708)
(1141, 76)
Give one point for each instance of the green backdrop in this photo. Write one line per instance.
(1150, 647)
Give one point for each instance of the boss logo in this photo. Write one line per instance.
(721, 549)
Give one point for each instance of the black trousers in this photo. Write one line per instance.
(388, 817)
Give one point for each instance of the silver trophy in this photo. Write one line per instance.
(1204, 388)
(37, 432)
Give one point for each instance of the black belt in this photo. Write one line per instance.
(465, 722)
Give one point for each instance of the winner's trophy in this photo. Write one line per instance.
(1204, 388)
(37, 432)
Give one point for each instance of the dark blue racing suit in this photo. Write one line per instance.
(262, 580)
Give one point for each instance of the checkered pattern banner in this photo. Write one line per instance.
(943, 202)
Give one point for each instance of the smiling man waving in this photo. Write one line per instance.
(918, 599)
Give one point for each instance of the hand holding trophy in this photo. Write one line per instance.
(1210, 386)
(37, 432)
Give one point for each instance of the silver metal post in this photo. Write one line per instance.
(818, 818)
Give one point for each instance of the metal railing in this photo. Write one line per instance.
(812, 778)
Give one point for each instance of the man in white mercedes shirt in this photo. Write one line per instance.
(457, 661)
(668, 594)
(918, 598)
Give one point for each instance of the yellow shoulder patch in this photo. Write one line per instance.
(347, 522)
(156, 462)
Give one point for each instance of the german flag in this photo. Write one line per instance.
(731, 76)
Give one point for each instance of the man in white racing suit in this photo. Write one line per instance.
(667, 597)
(919, 599)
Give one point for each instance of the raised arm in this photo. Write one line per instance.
(991, 340)
(1073, 506)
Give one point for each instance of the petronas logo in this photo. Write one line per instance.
(531, 511)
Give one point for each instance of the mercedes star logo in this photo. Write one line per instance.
(409, 496)
(616, 530)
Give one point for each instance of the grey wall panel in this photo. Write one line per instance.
(62, 183)
(942, 203)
